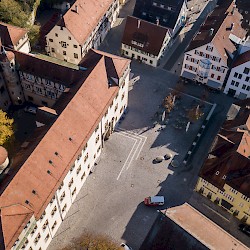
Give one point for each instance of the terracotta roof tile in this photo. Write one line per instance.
(144, 32)
(73, 122)
(10, 35)
(224, 20)
(90, 11)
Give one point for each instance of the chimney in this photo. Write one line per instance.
(138, 23)
(76, 8)
(211, 31)
(157, 21)
(233, 9)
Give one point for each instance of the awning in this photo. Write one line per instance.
(188, 75)
(213, 84)
(226, 204)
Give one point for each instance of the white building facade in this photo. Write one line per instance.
(69, 42)
(205, 65)
(238, 83)
(38, 233)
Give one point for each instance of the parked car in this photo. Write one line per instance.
(245, 229)
(158, 159)
(154, 201)
(30, 109)
(126, 247)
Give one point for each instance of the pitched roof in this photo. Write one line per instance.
(10, 35)
(168, 15)
(223, 21)
(34, 65)
(229, 161)
(144, 33)
(82, 22)
(202, 229)
(242, 58)
(35, 170)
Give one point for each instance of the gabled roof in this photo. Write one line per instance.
(167, 15)
(241, 59)
(10, 35)
(83, 16)
(229, 160)
(144, 33)
(32, 168)
(223, 21)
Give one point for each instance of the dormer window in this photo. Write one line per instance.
(217, 173)
(137, 43)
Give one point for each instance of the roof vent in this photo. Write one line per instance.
(33, 191)
(27, 202)
(217, 172)
(76, 9)
(48, 171)
(50, 162)
(70, 139)
(211, 31)
(56, 153)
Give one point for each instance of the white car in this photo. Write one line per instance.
(30, 109)
(126, 247)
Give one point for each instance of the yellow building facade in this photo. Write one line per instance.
(230, 199)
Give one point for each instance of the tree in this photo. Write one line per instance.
(6, 128)
(91, 241)
(195, 114)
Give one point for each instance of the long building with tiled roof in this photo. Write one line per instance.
(83, 26)
(211, 52)
(225, 175)
(42, 180)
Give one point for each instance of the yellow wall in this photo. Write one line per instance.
(230, 195)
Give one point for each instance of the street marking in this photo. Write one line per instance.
(134, 153)
(127, 158)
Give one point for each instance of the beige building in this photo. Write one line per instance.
(83, 26)
(224, 176)
(47, 173)
(139, 41)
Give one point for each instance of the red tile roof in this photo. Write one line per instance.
(73, 122)
(220, 21)
(89, 11)
(10, 35)
(229, 160)
(144, 32)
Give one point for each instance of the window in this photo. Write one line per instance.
(75, 46)
(71, 182)
(97, 139)
(60, 187)
(45, 224)
(123, 96)
(245, 197)
(63, 44)
(235, 74)
(247, 78)
(54, 225)
(83, 175)
(69, 38)
(86, 157)
(237, 84)
(52, 200)
(218, 78)
(244, 86)
(233, 82)
(248, 88)
(33, 231)
(37, 238)
(99, 148)
(62, 196)
(89, 166)
(78, 170)
(85, 147)
(52, 50)
(151, 62)
(42, 215)
(246, 71)
(94, 156)
(209, 48)
(116, 107)
(240, 76)
(212, 75)
(96, 129)
(53, 211)
(75, 55)
(64, 207)
(79, 157)
(64, 53)
(74, 191)
(46, 238)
